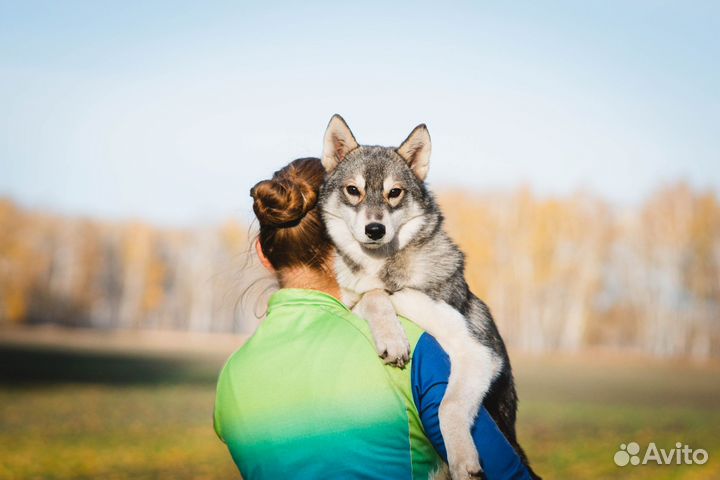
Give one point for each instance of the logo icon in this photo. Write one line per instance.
(627, 454)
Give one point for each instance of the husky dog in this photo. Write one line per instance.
(394, 257)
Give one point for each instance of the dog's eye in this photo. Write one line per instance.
(394, 192)
(352, 190)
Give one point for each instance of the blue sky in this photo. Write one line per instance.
(171, 112)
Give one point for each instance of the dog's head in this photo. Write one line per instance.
(373, 195)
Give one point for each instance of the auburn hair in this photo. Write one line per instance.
(292, 233)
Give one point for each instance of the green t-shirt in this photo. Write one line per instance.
(308, 398)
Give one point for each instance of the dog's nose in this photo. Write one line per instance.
(375, 230)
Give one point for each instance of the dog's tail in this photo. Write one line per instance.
(525, 461)
(501, 403)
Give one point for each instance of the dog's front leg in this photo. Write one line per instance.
(390, 339)
(473, 366)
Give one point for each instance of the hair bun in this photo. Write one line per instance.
(284, 201)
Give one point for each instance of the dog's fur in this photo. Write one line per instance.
(417, 271)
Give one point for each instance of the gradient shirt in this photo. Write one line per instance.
(307, 397)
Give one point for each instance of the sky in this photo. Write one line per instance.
(171, 111)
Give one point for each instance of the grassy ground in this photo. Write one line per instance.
(126, 413)
(575, 413)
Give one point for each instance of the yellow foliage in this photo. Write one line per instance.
(558, 272)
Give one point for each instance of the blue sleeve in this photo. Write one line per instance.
(430, 373)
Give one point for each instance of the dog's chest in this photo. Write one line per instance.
(393, 273)
(360, 278)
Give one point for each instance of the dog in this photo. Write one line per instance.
(395, 258)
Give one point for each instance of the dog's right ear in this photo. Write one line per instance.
(338, 142)
(416, 151)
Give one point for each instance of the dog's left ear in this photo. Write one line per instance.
(416, 151)
(338, 142)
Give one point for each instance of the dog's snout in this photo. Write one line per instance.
(375, 230)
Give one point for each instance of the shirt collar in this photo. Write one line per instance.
(302, 296)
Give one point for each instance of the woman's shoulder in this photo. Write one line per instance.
(292, 331)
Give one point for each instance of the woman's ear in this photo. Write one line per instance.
(263, 259)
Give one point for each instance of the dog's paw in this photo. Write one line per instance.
(465, 463)
(466, 471)
(390, 339)
(394, 349)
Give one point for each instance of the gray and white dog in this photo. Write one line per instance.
(394, 257)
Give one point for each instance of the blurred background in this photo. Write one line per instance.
(575, 154)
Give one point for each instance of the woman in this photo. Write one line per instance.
(307, 397)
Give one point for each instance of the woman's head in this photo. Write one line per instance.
(292, 235)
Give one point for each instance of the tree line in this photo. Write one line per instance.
(559, 273)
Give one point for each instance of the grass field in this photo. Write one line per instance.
(113, 410)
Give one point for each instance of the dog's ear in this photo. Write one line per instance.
(338, 142)
(416, 151)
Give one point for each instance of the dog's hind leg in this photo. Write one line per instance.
(391, 341)
(459, 407)
(473, 366)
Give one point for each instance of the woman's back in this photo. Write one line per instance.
(309, 385)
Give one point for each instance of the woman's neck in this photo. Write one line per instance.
(305, 277)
